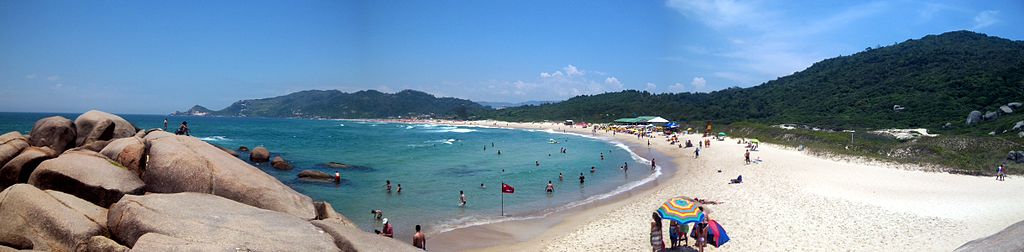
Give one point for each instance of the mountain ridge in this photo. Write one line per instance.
(360, 104)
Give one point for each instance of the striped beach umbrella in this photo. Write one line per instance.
(682, 210)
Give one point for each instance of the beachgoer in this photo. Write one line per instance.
(492, 144)
(538, 162)
(183, 129)
(683, 230)
(626, 165)
(592, 170)
(746, 157)
(399, 188)
(653, 165)
(550, 188)
(485, 147)
(499, 152)
(581, 178)
(657, 240)
(419, 240)
(482, 186)
(388, 185)
(602, 155)
(337, 177)
(696, 152)
(387, 229)
(737, 180)
(377, 213)
(462, 199)
(560, 176)
(673, 234)
(700, 230)
(165, 124)
(1001, 172)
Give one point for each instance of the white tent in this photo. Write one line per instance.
(657, 120)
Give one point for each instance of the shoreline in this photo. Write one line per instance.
(843, 202)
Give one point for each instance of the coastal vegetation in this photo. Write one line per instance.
(362, 104)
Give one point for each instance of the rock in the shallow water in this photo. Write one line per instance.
(187, 164)
(21, 166)
(98, 125)
(991, 115)
(1008, 239)
(100, 244)
(974, 117)
(130, 152)
(337, 165)
(32, 219)
(259, 155)
(280, 164)
(313, 174)
(55, 132)
(205, 218)
(1014, 105)
(87, 175)
(11, 145)
(243, 148)
(349, 238)
(1005, 109)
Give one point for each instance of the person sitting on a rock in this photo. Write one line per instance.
(183, 129)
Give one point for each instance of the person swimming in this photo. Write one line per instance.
(602, 155)
(399, 188)
(550, 188)
(592, 169)
(388, 185)
(482, 186)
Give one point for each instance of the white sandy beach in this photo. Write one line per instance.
(791, 201)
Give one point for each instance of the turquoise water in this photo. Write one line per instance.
(431, 162)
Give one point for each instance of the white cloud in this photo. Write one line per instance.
(613, 82)
(698, 83)
(650, 87)
(572, 71)
(677, 88)
(985, 19)
(53, 77)
(30, 76)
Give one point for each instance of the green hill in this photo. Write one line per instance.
(362, 104)
(937, 79)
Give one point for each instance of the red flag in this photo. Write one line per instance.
(506, 188)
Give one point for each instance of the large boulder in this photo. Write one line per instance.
(33, 219)
(974, 117)
(186, 164)
(100, 244)
(259, 155)
(159, 242)
(991, 115)
(21, 166)
(1007, 240)
(94, 146)
(349, 238)
(315, 175)
(211, 219)
(92, 211)
(226, 150)
(1018, 125)
(11, 145)
(129, 152)
(280, 164)
(55, 132)
(325, 211)
(1005, 109)
(87, 175)
(98, 125)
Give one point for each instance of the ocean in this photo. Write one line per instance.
(432, 163)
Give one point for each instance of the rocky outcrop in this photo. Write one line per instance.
(97, 125)
(243, 148)
(337, 165)
(1007, 240)
(1014, 105)
(159, 242)
(130, 152)
(11, 145)
(226, 150)
(259, 155)
(1015, 156)
(99, 244)
(280, 164)
(1018, 125)
(92, 211)
(325, 211)
(1005, 109)
(32, 219)
(186, 164)
(210, 219)
(55, 132)
(349, 238)
(974, 117)
(87, 175)
(21, 167)
(991, 115)
(316, 175)
(94, 146)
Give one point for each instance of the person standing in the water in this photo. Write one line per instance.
(582, 178)
(462, 199)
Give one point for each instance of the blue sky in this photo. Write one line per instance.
(157, 57)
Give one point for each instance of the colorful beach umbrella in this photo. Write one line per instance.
(682, 210)
(716, 234)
